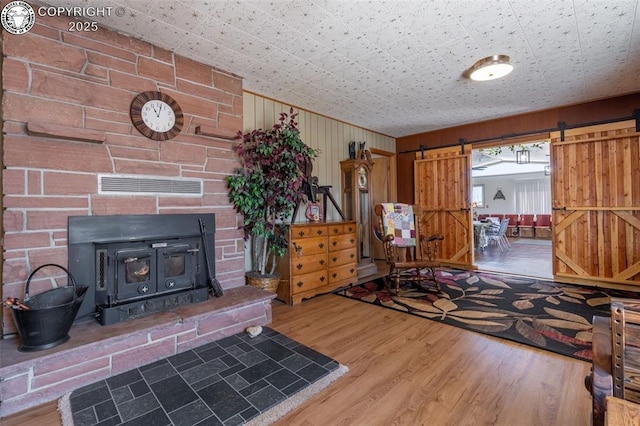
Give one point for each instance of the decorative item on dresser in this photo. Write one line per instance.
(321, 257)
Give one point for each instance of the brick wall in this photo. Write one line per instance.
(66, 118)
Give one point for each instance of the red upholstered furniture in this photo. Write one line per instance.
(512, 228)
(526, 224)
(543, 226)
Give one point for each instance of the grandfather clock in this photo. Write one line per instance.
(356, 204)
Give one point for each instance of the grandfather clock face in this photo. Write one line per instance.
(362, 178)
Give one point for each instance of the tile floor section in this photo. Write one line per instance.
(226, 382)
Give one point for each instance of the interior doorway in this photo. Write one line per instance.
(513, 182)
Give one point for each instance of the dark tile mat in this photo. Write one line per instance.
(226, 382)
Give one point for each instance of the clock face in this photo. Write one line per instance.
(362, 177)
(156, 115)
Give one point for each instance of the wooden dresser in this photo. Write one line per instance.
(321, 258)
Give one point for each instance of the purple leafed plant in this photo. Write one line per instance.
(268, 186)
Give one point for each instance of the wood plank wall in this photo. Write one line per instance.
(329, 135)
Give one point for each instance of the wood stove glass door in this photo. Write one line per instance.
(177, 267)
(135, 274)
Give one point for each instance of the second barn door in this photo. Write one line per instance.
(596, 205)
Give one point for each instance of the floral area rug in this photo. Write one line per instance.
(552, 316)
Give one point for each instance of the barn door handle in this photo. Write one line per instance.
(465, 209)
(564, 209)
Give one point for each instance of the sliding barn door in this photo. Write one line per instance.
(596, 205)
(442, 182)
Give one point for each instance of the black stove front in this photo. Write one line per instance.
(160, 265)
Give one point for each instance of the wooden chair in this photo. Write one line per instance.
(616, 357)
(410, 255)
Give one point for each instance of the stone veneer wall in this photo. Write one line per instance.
(66, 119)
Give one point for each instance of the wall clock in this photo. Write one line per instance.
(156, 115)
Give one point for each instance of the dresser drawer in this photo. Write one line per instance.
(300, 283)
(341, 257)
(341, 242)
(307, 246)
(344, 272)
(342, 229)
(306, 264)
(309, 231)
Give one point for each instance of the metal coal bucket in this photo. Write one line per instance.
(46, 322)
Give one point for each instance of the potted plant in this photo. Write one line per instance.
(266, 189)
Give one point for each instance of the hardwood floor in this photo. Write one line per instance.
(527, 256)
(406, 370)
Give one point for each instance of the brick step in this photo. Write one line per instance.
(96, 352)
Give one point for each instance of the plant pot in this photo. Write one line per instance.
(268, 282)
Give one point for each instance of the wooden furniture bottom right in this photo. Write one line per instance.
(616, 358)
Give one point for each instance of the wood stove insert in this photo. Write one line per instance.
(139, 264)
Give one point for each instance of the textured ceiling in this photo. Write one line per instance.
(396, 66)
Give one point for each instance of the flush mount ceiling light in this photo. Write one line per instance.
(490, 68)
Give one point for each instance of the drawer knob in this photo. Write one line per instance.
(352, 241)
(352, 255)
(299, 266)
(335, 230)
(322, 278)
(319, 231)
(321, 245)
(299, 283)
(301, 233)
(351, 270)
(334, 275)
(350, 229)
(334, 258)
(335, 243)
(322, 261)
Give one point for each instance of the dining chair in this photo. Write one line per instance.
(499, 235)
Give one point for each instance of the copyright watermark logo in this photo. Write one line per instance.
(18, 17)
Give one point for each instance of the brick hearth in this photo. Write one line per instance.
(97, 352)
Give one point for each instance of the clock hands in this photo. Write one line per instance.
(157, 111)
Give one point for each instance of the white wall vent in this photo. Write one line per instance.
(110, 184)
